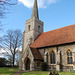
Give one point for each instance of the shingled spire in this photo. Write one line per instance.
(35, 10)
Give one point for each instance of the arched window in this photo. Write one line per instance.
(29, 28)
(69, 57)
(47, 57)
(52, 57)
(38, 28)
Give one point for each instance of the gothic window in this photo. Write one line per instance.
(29, 28)
(69, 57)
(52, 57)
(47, 57)
(38, 28)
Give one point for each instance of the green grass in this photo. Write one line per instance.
(67, 73)
(8, 71)
(36, 73)
(47, 73)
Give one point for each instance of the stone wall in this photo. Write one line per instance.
(29, 35)
(60, 56)
(32, 33)
(27, 54)
(37, 68)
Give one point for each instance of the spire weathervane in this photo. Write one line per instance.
(35, 10)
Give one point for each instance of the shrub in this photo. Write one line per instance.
(44, 66)
(3, 62)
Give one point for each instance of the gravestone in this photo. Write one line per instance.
(53, 73)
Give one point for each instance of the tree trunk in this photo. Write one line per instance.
(13, 60)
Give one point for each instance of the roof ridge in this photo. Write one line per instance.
(59, 28)
(55, 37)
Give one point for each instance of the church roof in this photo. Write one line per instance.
(55, 37)
(36, 54)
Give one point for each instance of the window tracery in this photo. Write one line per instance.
(52, 57)
(69, 57)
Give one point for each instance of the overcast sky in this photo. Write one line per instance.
(54, 13)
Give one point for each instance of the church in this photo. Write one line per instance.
(56, 47)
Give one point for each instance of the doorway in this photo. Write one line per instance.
(28, 64)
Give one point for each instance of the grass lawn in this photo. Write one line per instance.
(8, 71)
(47, 73)
(36, 73)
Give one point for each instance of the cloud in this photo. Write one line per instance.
(4, 51)
(41, 3)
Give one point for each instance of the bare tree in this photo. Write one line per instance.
(4, 4)
(12, 43)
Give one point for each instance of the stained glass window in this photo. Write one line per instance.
(69, 57)
(52, 57)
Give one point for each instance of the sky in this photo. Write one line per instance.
(54, 13)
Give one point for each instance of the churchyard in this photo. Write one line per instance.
(10, 71)
(47, 73)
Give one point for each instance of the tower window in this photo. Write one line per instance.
(38, 28)
(52, 57)
(69, 57)
(29, 28)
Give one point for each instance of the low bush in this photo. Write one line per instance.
(44, 66)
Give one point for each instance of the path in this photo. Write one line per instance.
(18, 73)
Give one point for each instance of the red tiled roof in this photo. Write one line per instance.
(36, 54)
(55, 37)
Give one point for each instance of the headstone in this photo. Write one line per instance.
(53, 73)
(57, 74)
(50, 73)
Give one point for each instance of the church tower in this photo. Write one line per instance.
(33, 27)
